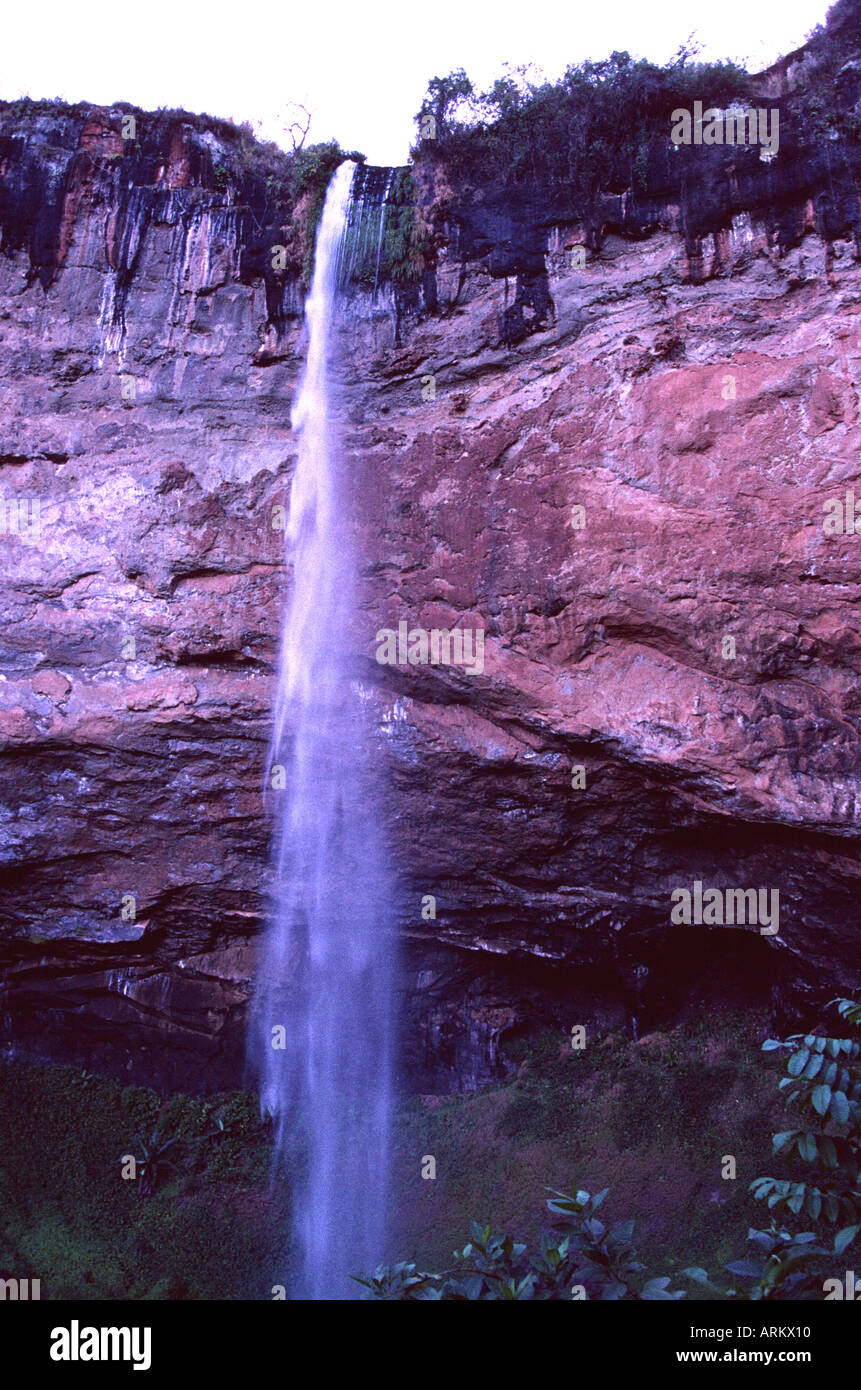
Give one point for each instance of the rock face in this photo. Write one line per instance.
(614, 474)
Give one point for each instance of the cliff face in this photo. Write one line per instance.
(615, 470)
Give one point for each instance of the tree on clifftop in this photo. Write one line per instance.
(441, 100)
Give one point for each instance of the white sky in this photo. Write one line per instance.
(361, 68)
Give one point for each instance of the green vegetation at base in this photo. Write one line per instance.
(823, 1083)
(578, 1257)
(652, 1121)
(666, 1117)
(209, 1230)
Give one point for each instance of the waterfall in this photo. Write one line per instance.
(382, 228)
(323, 1018)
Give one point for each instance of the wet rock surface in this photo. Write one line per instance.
(616, 471)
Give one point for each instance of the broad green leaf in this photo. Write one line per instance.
(622, 1232)
(821, 1098)
(807, 1147)
(763, 1239)
(828, 1151)
(845, 1238)
(794, 1261)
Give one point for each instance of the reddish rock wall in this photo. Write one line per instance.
(700, 410)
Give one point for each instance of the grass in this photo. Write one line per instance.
(651, 1120)
(69, 1218)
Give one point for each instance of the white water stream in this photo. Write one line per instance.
(323, 1023)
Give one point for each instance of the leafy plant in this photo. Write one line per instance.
(444, 96)
(605, 1259)
(577, 1249)
(823, 1081)
(154, 1164)
(776, 1271)
(780, 1269)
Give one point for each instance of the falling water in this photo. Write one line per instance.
(382, 229)
(322, 1033)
